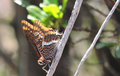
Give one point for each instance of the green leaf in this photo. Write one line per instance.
(103, 44)
(36, 12)
(64, 5)
(100, 45)
(32, 18)
(117, 53)
(52, 10)
(64, 24)
(61, 15)
(22, 3)
(47, 21)
(56, 24)
(119, 37)
(111, 44)
(48, 2)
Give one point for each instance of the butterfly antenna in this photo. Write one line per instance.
(31, 54)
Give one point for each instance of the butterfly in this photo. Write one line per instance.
(43, 40)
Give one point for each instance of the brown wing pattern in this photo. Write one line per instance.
(38, 34)
(49, 51)
(43, 40)
(28, 32)
(41, 28)
(42, 33)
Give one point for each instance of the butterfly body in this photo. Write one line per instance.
(43, 40)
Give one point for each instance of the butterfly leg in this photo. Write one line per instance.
(44, 68)
(49, 66)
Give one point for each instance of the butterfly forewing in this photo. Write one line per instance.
(42, 29)
(38, 34)
(28, 32)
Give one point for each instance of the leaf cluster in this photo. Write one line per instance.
(50, 13)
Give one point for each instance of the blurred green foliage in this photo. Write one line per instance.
(50, 13)
(117, 53)
(104, 44)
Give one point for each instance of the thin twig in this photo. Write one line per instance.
(80, 40)
(66, 34)
(89, 30)
(94, 9)
(96, 37)
(91, 38)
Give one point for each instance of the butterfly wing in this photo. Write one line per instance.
(39, 32)
(50, 42)
(28, 32)
(49, 51)
(46, 40)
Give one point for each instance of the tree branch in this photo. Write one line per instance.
(64, 39)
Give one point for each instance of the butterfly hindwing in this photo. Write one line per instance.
(49, 51)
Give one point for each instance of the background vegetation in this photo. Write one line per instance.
(102, 61)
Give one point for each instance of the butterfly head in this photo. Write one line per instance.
(58, 35)
(42, 61)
